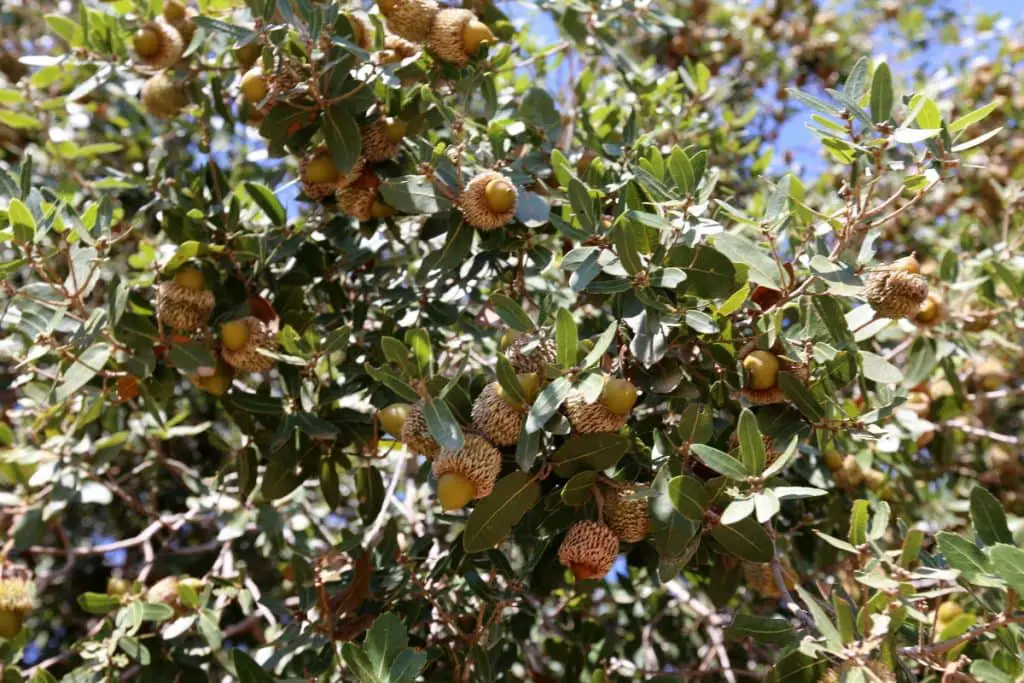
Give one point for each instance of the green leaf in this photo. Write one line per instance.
(407, 666)
(247, 670)
(83, 370)
(567, 338)
(191, 356)
(494, 516)
(927, 114)
(859, 523)
(357, 660)
(342, 135)
(591, 451)
(1008, 564)
(878, 369)
(797, 392)
(509, 381)
(385, 639)
(752, 450)
(579, 489)
(548, 403)
(688, 496)
(511, 313)
(415, 194)
(746, 539)
(239, 33)
(988, 518)
(681, 170)
(626, 248)
(66, 28)
(857, 82)
(527, 449)
(98, 603)
(19, 121)
(821, 620)
(763, 268)
(881, 93)
(963, 555)
(583, 205)
(988, 672)
(770, 630)
(975, 116)
(911, 547)
(593, 357)
(265, 199)
(695, 424)
(721, 462)
(442, 424)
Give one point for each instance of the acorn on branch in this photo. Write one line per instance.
(216, 383)
(897, 290)
(241, 342)
(181, 18)
(466, 474)
(589, 550)
(762, 375)
(410, 19)
(17, 598)
(498, 416)
(608, 413)
(489, 201)
(163, 96)
(321, 178)
(456, 35)
(184, 303)
(392, 418)
(382, 138)
(157, 44)
(416, 433)
(932, 312)
(530, 352)
(626, 515)
(361, 199)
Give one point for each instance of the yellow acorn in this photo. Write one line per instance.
(932, 311)
(489, 201)
(184, 303)
(181, 18)
(763, 370)
(410, 19)
(254, 86)
(382, 138)
(531, 353)
(948, 611)
(358, 199)
(457, 35)
(157, 44)
(17, 598)
(416, 434)
(241, 342)
(466, 474)
(833, 459)
(218, 383)
(163, 96)
(392, 418)
(619, 395)
(589, 550)
(897, 291)
(626, 515)
(164, 592)
(318, 175)
(499, 418)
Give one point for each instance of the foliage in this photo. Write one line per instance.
(189, 505)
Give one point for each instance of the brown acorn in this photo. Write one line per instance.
(489, 201)
(360, 198)
(531, 353)
(163, 96)
(184, 303)
(17, 599)
(456, 35)
(416, 434)
(897, 290)
(932, 312)
(589, 550)
(157, 44)
(181, 17)
(382, 138)
(498, 417)
(241, 341)
(468, 473)
(626, 515)
(410, 19)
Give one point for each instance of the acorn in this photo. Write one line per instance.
(164, 592)
(898, 290)
(531, 353)
(760, 576)
(157, 44)
(498, 416)
(456, 35)
(875, 480)
(218, 383)
(184, 303)
(382, 138)
(416, 434)
(489, 201)
(762, 376)
(17, 598)
(396, 49)
(241, 341)
(589, 550)
(392, 418)
(181, 18)
(989, 375)
(948, 611)
(319, 177)
(466, 474)
(608, 413)
(626, 515)
(359, 198)
(254, 86)
(762, 370)
(410, 19)
(932, 311)
(163, 96)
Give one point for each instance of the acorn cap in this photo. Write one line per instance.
(183, 308)
(249, 358)
(896, 293)
(163, 96)
(17, 591)
(531, 353)
(626, 516)
(477, 460)
(416, 434)
(475, 209)
(171, 45)
(775, 394)
(377, 146)
(494, 417)
(411, 19)
(591, 547)
(592, 418)
(396, 49)
(445, 40)
(357, 198)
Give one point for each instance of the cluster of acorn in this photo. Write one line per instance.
(184, 303)
(469, 473)
(17, 598)
(159, 45)
(898, 290)
(848, 474)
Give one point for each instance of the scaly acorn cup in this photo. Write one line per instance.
(17, 598)
(531, 353)
(184, 303)
(410, 19)
(318, 175)
(932, 311)
(466, 474)
(396, 49)
(457, 35)
(361, 198)
(489, 201)
(382, 138)
(498, 417)
(163, 96)
(416, 433)
(157, 45)
(608, 413)
(628, 517)
(589, 550)
(897, 290)
(241, 342)
(181, 18)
